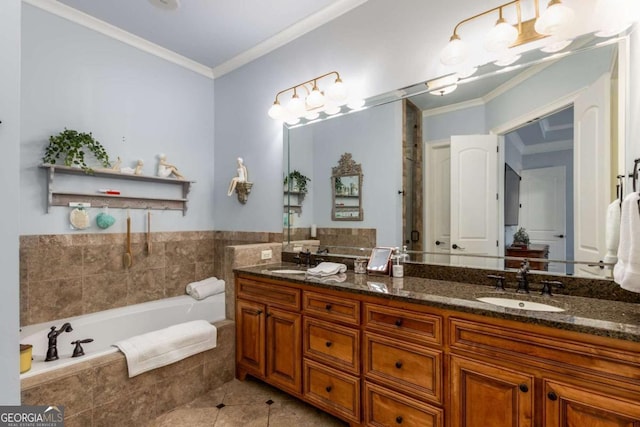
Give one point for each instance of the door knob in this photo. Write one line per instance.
(438, 243)
(454, 246)
(559, 235)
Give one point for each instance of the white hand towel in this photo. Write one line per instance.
(625, 238)
(631, 280)
(192, 285)
(612, 232)
(165, 346)
(327, 269)
(207, 289)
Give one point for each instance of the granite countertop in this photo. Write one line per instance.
(606, 318)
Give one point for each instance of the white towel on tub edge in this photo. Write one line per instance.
(165, 346)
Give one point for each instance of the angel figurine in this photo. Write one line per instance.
(165, 169)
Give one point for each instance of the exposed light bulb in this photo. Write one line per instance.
(291, 120)
(276, 112)
(295, 106)
(356, 104)
(466, 72)
(455, 52)
(315, 98)
(555, 46)
(501, 36)
(337, 92)
(554, 19)
(332, 109)
(312, 115)
(507, 60)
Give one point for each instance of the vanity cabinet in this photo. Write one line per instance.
(331, 350)
(268, 338)
(375, 361)
(507, 374)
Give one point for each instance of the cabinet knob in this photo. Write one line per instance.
(523, 388)
(328, 307)
(399, 419)
(398, 364)
(399, 322)
(328, 343)
(328, 388)
(552, 396)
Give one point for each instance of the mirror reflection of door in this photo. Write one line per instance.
(412, 177)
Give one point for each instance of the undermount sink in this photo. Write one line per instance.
(288, 271)
(520, 304)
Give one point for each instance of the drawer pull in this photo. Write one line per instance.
(398, 364)
(399, 322)
(552, 396)
(399, 419)
(523, 388)
(328, 343)
(328, 307)
(328, 388)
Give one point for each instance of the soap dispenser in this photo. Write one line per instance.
(398, 267)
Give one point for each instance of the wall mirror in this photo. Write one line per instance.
(557, 121)
(346, 179)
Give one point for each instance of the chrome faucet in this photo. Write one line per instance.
(523, 280)
(52, 350)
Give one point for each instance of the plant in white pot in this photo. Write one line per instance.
(72, 146)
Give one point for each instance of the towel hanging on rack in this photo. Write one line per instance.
(626, 272)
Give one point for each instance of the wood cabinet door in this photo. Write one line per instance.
(485, 395)
(284, 349)
(250, 338)
(569, 405)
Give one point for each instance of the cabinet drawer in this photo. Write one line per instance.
(335, 345)
(332, 308)
(384, 408)
(268, 293)
(334, 391)
(411, 369)
(404, 324)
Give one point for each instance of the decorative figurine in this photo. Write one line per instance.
(138, 169)
(116, 165)
(165, 169)
(242, 177)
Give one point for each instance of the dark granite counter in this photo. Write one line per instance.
(606, 318)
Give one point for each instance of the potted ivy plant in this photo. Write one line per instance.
(296, 181)
(521, 238)
(72, 146)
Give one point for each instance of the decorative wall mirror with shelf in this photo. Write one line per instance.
(346, 179)
(495, 105)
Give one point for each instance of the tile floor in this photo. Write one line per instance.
(248, 403)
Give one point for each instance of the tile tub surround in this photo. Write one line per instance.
(100, 393)
(71, 274)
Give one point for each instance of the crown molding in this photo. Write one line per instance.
(453, 107)
(298, 29)
(88, 21)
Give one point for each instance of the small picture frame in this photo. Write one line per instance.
(379, 260)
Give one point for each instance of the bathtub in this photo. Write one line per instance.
(109, 326)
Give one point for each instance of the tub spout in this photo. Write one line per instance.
(52, 350)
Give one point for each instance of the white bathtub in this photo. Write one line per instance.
(109, 326)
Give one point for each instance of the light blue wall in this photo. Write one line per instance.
(466, 121)
(633, 124)
(10, 174)
(374, 138)
(136, 104)
(377, 47)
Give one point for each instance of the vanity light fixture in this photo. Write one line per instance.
(308, 100)
(503, 35)
(443, 85)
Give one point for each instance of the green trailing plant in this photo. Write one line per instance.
(521, 236)
(72, 146)
(338, 185)
(299, 179)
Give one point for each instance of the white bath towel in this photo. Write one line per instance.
(204, 290)
(327, 269)
(334, 278)
(612, 232)
(631, 279)
(192, 285)
(165, 346)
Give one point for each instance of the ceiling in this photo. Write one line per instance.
(215, 32)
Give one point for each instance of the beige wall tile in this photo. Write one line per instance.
(103, 291)
(146, 285)
(54, 299)
(74, 392)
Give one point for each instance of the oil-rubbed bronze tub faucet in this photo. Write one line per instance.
(52, 350)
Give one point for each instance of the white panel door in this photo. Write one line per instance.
(543, 210)
(591, 160)
(474, 204)
(439, 179)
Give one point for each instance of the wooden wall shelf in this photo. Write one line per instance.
(63, 198)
